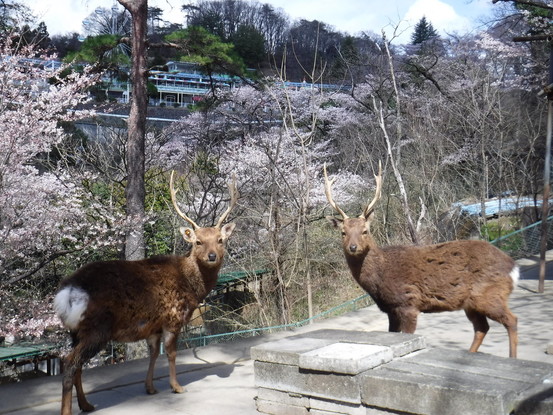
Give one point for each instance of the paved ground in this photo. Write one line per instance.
(219, 378)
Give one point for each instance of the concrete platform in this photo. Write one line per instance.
(420, 380)
(219, 378)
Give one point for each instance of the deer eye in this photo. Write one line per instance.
(198, 243)
(220, 240)
(343, 234)
(365, 232)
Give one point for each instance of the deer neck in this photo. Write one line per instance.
(209, 277)
(369, 260)
(199, 279)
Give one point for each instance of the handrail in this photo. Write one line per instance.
(518, 231)
(257, 330)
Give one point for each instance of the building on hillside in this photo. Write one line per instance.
(178, 84)
(182, 84)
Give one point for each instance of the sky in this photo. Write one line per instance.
(346, 16)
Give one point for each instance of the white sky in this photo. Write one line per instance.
(347, 16)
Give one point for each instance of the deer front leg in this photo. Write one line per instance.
(481, 327)
(153, 346)
(403, 320)
(393, 322)
(170, 342)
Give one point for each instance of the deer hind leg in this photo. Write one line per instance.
(481, 327)
(505, 317)
(73, 363)
(510, 322)
(170, 342)
(72, 376)
(81, 399)
(153, 346)
(68, 381)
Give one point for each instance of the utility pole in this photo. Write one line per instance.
(548, 92)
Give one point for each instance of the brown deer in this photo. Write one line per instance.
(149, 299)
(404, 281)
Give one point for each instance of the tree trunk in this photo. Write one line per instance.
(135, 190)
(396, 158)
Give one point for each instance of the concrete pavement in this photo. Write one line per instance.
(219, 378)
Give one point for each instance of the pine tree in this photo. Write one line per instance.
(423, 32)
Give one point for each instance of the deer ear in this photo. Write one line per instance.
(227, 230)
(188, 234)
(369, 217)
(337, 223)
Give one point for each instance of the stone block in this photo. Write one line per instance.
(286, 351)
(418, 393)
(442, 381)
(290, 378)
(482, 364)
(345, 358)
(382, 411)
(321, 412)
(280, 377)
(278, 408)
(400, 343)
(287, 398)
(335, 407)
(537, 400)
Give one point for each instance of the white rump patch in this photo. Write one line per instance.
(70, 304)
(515, 275)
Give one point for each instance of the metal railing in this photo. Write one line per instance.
(525, 242)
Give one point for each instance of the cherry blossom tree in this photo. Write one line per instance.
(49, 223)
(41, 215)
(274, 141)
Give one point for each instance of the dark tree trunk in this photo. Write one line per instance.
(135, 190)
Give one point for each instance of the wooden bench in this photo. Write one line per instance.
(22, 354)
(236, 277)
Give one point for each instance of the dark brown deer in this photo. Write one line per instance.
(149, 299)
(404, 281)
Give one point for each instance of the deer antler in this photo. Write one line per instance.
(233, 198)
(378, 178)
(328, 193)
(194, 225)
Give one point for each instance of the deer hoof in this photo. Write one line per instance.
(86, 407)
(177, 389)
(150, 390)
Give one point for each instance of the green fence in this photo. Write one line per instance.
(526, 241)
(203, 340)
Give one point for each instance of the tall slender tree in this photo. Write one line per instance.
(135, 190)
